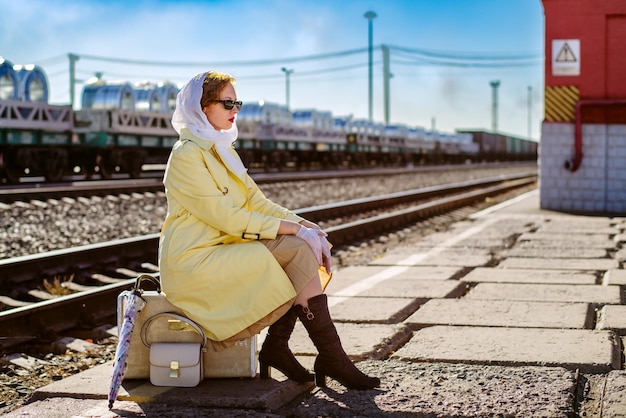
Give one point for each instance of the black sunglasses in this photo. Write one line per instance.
(229, 104)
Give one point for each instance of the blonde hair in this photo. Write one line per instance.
(213, 85)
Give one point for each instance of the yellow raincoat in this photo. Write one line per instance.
(224, 288)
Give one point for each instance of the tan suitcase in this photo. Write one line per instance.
(237, 361)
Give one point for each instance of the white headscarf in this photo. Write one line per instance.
(189, 114)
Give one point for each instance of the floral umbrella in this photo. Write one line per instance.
(133, 303)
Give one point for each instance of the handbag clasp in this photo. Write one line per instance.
(174, 370)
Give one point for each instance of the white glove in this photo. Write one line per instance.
(313, 238)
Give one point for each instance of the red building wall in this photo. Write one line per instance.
(583, 141)
(600, 27)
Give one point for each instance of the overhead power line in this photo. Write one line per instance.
(424, 62)
(402, 56)
(273, 61)
(470, 56)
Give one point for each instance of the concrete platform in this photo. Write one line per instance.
(514, 311)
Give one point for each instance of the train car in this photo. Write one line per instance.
(397, 145)
(325, 147)
(267, 137)
(495, 146)
(419, 148)
(34, 136)
(122, 127)
(107, 136)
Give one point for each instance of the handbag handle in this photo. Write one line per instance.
(146, 278)
(146, 326)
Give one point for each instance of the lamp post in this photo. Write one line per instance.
(386, 77)
(370, 17)
(73, 58)
(530, 107)
(494, 104)
(287, 74)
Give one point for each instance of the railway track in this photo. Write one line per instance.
(154, 183)
(35, 310)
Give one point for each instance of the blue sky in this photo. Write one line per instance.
(252, 39)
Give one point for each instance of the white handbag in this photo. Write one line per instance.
(178, 364)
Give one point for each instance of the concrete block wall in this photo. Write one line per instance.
(599, 184)
(616, 169)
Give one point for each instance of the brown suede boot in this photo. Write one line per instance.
(332, 360)
(275, 351)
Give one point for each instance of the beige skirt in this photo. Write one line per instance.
(298, 261)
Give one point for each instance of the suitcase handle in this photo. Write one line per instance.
(146, 326)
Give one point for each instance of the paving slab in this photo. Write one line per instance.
(349, 275)
(596, 294)
(494, 313)
(588, 350)
(256, 394)
(448, 258)
(579, 227)
(249, 393)
(531, 249)
(505, 275)
(485, 240)
(479, 244)
(550, 241)
(493, 228)
(612, 317)
(403, 288)
(354, 280)
(614, 402)
(433, 249)
(372, 310)
(567, 240)
(559, 263)
(615, 277)
(578, 223)
(360, 341)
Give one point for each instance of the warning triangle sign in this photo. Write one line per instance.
(566, 54)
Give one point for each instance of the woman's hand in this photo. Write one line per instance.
(316, 238)
(326, 258)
